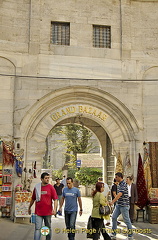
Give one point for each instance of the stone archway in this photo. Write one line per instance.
(92, 104)
(98, 131)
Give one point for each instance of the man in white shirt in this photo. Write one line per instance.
(133, 196)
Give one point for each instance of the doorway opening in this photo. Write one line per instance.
(79, 143)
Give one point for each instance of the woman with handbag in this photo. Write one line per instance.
(97, 218)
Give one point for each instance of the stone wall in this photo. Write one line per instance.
(33, 70)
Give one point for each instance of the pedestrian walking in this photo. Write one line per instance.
(71, 195)
(114, 193)
(133, 196)
(59, 187)
(122, 206)
(97, 219)
(43, 194)
(114, 190)
(106, 194)
(63, 181)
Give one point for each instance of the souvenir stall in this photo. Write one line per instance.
(152, 208)
(22, 193)
(6, 180)
(22, 201)
(1, 161)
(151, 169)
(15, 182)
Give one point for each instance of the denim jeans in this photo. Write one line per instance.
(38, 225)
(125, 214)
(70, 221)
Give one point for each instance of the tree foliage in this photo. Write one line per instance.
(77, 141)
(77, 138)
(57, 174)
(88, 176)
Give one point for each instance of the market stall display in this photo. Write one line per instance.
(6, 192)
(22, 201)
(152, 208)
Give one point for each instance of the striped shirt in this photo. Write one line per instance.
(124, 199)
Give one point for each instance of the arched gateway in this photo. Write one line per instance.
(99, 111)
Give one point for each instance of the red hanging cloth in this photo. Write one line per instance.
(141, 185)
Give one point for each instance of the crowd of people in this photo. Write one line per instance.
(123, 197)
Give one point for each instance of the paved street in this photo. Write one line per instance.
(14, 231)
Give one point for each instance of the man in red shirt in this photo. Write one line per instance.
(43, 194)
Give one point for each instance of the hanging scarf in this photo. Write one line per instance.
(1, 151)
(19, 163)
(8, 157)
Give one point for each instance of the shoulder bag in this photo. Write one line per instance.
(104, 210)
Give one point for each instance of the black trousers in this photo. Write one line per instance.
(131, 210)
(98, 224)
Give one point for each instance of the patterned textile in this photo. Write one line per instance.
(127, 166)
(153, 154)
(147, 170)
(1, 152)
(141, 185)
(119, 165)
(18, 162)
(8, 157)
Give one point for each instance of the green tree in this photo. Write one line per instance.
(57, 174)
(77, 141)
(88, 176)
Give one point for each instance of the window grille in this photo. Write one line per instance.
(60, 33)
(101, 36)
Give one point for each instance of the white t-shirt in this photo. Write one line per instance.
(129, 190)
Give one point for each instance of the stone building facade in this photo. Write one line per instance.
(112, 88)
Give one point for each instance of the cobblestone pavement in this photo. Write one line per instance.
(17, 231)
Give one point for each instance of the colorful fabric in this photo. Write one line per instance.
(19, 167)
(153, 154)
(119, 165)
(141, 185)
(147, 170)
(8, 157)
(44, 206)
(18, 162)
(1, 152)
(127, 165)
